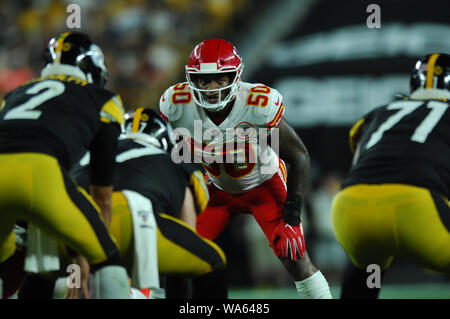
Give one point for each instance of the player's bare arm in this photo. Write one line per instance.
(188, 214)
(294, 153)
(102, 196)
(288, 238)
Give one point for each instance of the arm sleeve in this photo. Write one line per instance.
(103, 150)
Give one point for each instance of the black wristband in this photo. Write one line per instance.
(292, 211)
(294, 202)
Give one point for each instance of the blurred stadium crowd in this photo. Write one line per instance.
(146, 43)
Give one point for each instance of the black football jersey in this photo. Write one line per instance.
(148, 171)
(57, 115)
(407, 142)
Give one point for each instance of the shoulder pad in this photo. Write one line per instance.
(275, 109)
(357, 128)
(171, 102)
(267, 103)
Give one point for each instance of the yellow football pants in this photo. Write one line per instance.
(180, 249)
(34, 188)
(375, 223)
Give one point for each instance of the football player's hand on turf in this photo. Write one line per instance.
(288, 241)
(74, 293)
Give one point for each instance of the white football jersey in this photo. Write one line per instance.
(234, 153)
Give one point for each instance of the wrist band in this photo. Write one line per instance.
(292, 210)
(295, 202)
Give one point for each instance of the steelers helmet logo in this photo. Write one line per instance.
(66, 46)
(438, 70)
(144, 117)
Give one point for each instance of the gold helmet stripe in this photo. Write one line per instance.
(430, 70)
(136, 120)
(59, 44)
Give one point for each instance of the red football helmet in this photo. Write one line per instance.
(214, 56)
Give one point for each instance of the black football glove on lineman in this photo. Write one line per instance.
(287, 237)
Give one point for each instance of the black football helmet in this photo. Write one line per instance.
(431, 72)
(149, 127)
(77, 49)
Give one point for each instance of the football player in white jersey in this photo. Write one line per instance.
(226, 124)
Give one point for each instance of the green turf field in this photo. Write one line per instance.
(404, 291)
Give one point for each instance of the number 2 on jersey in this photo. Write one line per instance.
(406, 107)
(27, 110)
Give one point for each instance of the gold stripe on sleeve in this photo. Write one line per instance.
(112, 110)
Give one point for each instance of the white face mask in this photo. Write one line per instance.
(221, 103)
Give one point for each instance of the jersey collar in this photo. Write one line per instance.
(65, 69)
(429, 94)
